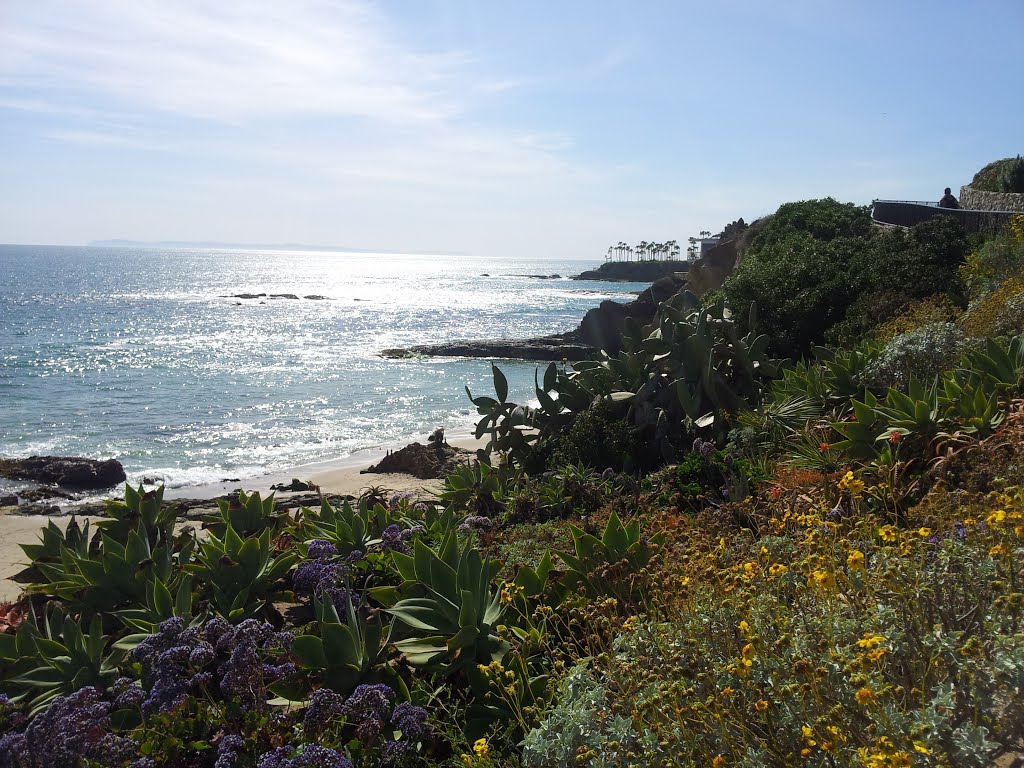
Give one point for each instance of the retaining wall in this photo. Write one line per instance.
(975, 199)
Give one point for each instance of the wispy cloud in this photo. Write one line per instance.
(230, 60)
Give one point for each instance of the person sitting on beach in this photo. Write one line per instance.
(948, 201)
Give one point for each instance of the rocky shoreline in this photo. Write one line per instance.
(601, 328)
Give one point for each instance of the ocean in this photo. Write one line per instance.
(143, 354)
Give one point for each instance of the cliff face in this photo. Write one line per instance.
(710, 272)
(602, 326)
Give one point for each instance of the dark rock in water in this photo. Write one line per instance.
(8, 501)
(152, 480)
(248, 295)
(426, 462)
(45, 492)
(315, 297)
(561, 347)
(230, 480)
(284, 296)
(484, 274)
(294, 485)
(68, 472)
(541, 277)
(601, 328)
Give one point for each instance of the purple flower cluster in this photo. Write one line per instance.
(181, 660)
(705, 448)
(72, 728)
(476, 524)
(320, 576)
(392, 539)
(311, 756)
(228, 749)
(369, 710)
(398, 499)
(321, 549)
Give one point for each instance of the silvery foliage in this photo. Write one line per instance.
(923, 353)
(580, 719)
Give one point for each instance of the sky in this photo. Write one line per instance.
(540, 129)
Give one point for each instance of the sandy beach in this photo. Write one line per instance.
(342, 476)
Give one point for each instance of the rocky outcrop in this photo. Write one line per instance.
(566, 346)
(601, 329)
(426, 462)
(75, 473)
(294, 486)
(710, 272)
(633, 271)
(603, 325)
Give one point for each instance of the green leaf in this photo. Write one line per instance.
(310, 650)
(163, 605)
(500, 383)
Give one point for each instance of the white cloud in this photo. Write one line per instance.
(230, 60)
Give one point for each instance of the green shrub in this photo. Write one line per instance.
(919, 313)
(819, 271)
(1011, 176)
(995, 260)
(598, 438)
(988, 178)
(999, 313)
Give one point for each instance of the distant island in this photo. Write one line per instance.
(633, 271)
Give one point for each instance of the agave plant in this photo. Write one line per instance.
(161, 604)
(242, 574)
(60, 658)
(345, 654)
(248, 514)
(605, 566)
(448, 606)
(52, 542)
(348, 528)
(143, 508)
(116, 576)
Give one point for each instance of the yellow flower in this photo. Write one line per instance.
(970, 521)
(855, 560)
(761, 705)
(996, 517)
(822, 579)
(466, 759)
(870, 641)
(686, 581)
(887, 533)
(718, 762)
(864, 696)
(920, 747)
(998, 549)
(748, 651)
(877, 654)
(727, 692)
(924, 533)
(480, 747)
(776, 570)
(855, 487)
(808, 733)
(506, 597)
(842, 484)
(744, 628)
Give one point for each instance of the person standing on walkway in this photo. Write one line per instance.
(948, 201)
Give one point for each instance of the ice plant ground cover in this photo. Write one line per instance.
(826, 572)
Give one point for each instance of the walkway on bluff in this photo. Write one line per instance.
(907, 213)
